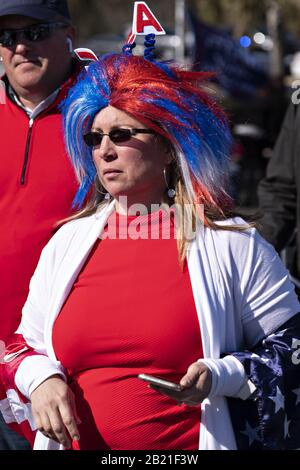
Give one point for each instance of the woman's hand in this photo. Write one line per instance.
(54, 410)
(195, 384)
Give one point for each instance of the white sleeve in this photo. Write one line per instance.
(229, 378)
(264, 290)
(33, 370)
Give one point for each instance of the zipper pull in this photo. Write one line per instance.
(24, 169)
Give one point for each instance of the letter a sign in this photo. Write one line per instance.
(144, 22)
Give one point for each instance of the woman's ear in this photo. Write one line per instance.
(167, 149)
(170, 158)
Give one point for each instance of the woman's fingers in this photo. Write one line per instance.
(43, 424)
(189, 397)
(59, 425)
(46, 427)
(63, 420)
(196, 385)
(54, 410)
(73, 406)
(192, 375)
(205, 381)
(69, 420)
(59, 429)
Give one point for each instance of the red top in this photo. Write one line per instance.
(37, 187)
(131, 310)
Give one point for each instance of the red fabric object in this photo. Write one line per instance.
(16, 343)
(37, 187)
(131, 310)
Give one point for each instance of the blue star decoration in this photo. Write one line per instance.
(278, 400)
(270, 417)
(251, 433)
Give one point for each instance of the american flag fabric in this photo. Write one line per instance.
(270, 418)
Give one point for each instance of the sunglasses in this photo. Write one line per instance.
(33, 33)
(117, 136)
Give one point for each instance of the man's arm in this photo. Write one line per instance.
(277, 191)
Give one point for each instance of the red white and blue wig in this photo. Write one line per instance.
(164, 98)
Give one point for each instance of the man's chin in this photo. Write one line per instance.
(28, 68)
(29, 78)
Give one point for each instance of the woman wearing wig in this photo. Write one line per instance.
(113, 296)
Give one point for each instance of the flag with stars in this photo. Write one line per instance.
(270, 418)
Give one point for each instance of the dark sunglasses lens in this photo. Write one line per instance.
(8, 38)
(120, 135)
(92, 139)
(36, 33)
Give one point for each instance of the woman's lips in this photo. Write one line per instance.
(111, 173)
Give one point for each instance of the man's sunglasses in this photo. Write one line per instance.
(117, 136)
(35, 32)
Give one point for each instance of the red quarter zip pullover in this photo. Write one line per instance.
(37, 186)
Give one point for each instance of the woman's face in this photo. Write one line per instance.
(134, 168)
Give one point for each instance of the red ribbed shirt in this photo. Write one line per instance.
(130, 311)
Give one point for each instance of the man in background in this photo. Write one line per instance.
(37, 183)
(279, 193)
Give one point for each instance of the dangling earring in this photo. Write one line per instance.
(170, 191)
(107, 196)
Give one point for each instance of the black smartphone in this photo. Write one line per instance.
(160, 382)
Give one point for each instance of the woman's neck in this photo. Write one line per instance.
(123, 207)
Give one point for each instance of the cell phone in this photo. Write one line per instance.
(160, 382)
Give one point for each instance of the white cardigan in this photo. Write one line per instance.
(242, 293)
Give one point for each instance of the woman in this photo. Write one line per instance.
(113, 296)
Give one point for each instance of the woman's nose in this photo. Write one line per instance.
(106, 150)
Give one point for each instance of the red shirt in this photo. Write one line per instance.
(131, 310)
(37, 187)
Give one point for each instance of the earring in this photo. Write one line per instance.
(1, 59)
(107, 196)
(170, 191)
